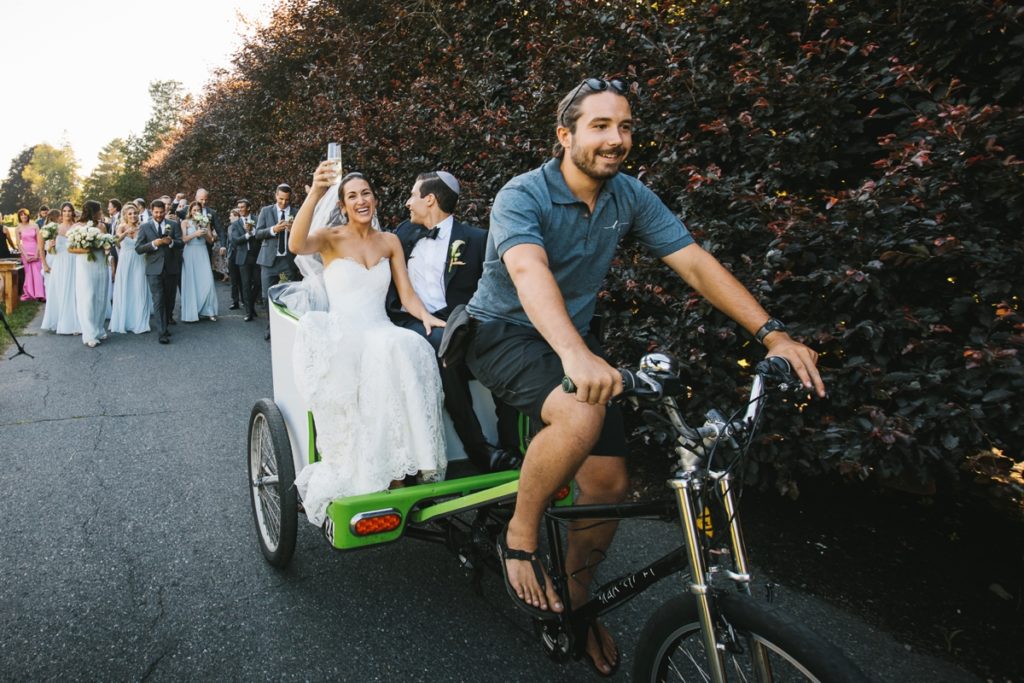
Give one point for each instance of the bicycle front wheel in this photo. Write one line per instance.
(672, 647)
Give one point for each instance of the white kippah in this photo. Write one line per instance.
(449, 180)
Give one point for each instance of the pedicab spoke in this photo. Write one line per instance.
(274, 508)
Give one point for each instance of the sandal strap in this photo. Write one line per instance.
(524, 556)
(516, 554)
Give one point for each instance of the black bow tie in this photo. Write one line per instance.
(432, 233)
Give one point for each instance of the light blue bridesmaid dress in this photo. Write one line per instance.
(198, 296)
(132, 299)
(61, 314)
(91, 283)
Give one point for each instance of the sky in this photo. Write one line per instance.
(53, 53)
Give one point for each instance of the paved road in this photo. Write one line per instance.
(127, 549)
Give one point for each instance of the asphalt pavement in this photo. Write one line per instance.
(128, 551)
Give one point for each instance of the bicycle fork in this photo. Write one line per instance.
(687, 489)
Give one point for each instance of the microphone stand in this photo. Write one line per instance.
(7, 326)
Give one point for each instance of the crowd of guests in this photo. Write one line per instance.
(167, 249)
(128, 283)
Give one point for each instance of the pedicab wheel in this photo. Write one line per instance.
(271, 483)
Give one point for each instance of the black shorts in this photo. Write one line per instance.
(519, 367)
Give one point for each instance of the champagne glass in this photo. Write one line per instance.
(334, 154)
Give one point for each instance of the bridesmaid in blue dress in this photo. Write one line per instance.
(91, 280)
(132, 299)
(198, 296)
(61, 314)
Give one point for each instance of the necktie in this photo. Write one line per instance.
(432, 233)
(280, 237)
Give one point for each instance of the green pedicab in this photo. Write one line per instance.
(282, 440)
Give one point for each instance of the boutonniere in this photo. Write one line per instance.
(454, 253)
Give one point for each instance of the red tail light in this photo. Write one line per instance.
(376, 522)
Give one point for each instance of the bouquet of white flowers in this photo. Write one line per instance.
(201, 220)
(86, 239)
(107, 242)
(49, 232)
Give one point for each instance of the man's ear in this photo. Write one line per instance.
(564, 136)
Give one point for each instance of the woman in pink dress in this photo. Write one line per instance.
(30, 247)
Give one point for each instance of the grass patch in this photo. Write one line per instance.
(18, 320)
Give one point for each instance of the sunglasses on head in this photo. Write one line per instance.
(595, 85)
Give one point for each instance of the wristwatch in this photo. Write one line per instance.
(773, 325)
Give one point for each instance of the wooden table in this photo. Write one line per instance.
(9, 271)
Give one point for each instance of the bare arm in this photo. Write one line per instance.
(41, 250)
(301, 240)
(527, 264)
(185, 237)
(704, 273)
(400, 276)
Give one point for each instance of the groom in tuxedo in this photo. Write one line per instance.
(445, 259)
(272, 231)
(160, 242)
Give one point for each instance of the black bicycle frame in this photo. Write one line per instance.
(618, 591)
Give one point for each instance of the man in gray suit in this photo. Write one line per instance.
(242, 235)
(160, 242)
(272, 230)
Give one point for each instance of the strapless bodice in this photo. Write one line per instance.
(357, 293)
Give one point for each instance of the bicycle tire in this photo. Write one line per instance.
(671, 646)
(274, 505)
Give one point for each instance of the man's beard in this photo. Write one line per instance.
(587, 163)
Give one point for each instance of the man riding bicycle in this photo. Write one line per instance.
(553, 234)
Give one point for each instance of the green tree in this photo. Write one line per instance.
(169, 100)
(122, 162)
(53, 173)
(102, 182)
(15, 191)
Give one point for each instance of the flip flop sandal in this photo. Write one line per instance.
(505, 553)
(600, 645)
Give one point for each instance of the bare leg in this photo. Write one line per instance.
(601, 480)
(551, 460)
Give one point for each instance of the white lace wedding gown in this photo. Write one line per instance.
(373, 388)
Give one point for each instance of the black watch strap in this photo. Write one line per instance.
(772, 325)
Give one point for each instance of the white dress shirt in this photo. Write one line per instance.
(427, 265)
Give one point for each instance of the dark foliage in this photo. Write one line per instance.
(16, 192)
(852, 162)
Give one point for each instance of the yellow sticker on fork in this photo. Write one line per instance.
(704, 523)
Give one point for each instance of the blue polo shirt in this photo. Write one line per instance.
(538, 208)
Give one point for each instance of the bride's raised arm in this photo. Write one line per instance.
(400, 276)
(302, 240)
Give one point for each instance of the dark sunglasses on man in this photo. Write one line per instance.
(595, 85)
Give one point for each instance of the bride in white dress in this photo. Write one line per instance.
(373, 387)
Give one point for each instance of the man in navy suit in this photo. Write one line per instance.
(445, 259)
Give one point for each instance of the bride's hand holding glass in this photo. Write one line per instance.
(324, 177)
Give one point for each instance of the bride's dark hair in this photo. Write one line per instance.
(354, 175)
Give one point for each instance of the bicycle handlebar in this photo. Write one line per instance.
(774, 370)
